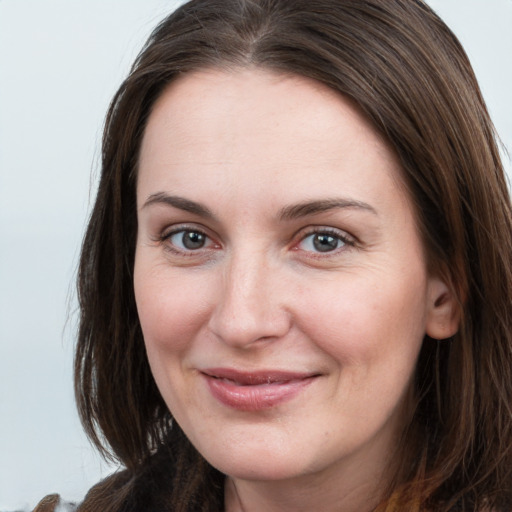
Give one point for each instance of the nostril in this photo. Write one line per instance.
(246, 330)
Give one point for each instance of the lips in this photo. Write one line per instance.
(254, 391)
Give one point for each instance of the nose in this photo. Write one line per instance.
(250, 305)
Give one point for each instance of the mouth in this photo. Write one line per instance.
(254, 391)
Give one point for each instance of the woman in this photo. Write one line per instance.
(295, 284)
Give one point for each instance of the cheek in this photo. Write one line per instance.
(171, 309)
(365, 322)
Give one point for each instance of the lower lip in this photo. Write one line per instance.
(255, 397)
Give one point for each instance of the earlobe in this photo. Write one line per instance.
(443, 314)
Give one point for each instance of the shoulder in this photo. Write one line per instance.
(107, 495)
(51, 502)
(160, 484)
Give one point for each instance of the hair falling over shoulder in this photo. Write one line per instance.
(410, 76)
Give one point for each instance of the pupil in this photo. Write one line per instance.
(193, 240)
(324, 243)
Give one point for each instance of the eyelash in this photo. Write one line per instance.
(345, 240)
(169, 246)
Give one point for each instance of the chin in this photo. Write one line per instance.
(256, 463)
(259, 469)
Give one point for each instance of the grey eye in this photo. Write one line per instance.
(321, 242)
(188, 240)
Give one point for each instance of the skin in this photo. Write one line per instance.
(249, 146)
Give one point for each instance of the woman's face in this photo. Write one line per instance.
(280, 280)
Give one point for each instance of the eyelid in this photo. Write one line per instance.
(170, 231)
(176, 228)
(347, 239)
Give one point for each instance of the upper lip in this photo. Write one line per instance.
(248, 378)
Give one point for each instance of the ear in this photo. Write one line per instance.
(443, 310)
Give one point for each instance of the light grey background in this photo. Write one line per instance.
(60, 63)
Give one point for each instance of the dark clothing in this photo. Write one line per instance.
(162, 484)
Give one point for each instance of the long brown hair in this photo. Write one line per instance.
(410, 76)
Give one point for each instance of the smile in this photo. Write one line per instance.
(254, 391)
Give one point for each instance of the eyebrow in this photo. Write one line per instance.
(307, 208)
(179, 202)
(291, 212)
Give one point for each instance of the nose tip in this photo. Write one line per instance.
(249, 309)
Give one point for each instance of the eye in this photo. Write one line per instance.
(324, 241)
(188, 240)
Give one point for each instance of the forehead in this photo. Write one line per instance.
(205, 99)
(250, 125)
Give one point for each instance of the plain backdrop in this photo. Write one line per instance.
(60, 63)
